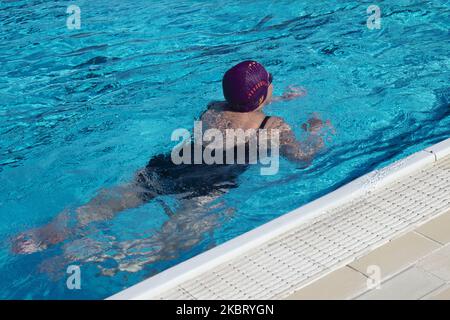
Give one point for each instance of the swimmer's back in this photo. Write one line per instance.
(162, 176)
(218, 116)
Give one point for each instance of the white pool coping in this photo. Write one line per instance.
(154, 286)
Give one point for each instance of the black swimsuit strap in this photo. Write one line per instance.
(263, 123)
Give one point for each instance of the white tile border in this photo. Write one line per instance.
(440, 149)
(165, 280)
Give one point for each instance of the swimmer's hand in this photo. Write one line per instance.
(293, 92)
(315, 125)
(290, 93)
(318, 130)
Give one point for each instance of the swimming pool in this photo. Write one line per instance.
(84, 109)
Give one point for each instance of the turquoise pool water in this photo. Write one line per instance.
(84, 109)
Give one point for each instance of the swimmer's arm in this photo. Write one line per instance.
(290, 147)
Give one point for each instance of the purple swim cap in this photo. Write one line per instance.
(245, 86)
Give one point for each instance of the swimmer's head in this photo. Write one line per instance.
(247, 86)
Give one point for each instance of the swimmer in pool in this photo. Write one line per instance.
(247, 88)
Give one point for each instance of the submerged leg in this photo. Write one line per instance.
(187, 226)
(102, 207)
(39, 239)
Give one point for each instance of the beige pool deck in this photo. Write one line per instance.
(385, 235)
(415, 265)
